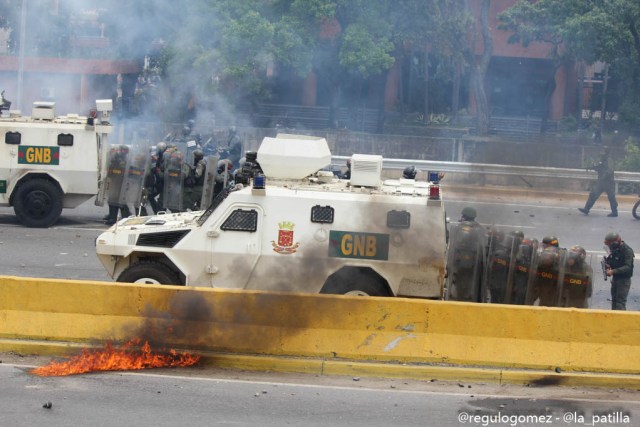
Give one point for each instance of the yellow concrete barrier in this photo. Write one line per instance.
(333, 327)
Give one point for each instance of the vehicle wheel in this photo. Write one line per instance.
(150, 272)
(634, 211)
(356, 281)
(37, 203)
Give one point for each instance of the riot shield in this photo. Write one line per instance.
(116, 166)
(209, 182)
(524, 272)
(577, 284)
(465, 262)
(133, 183)
(549, 275)
(501, 263)
(173, 160)
(103, 163)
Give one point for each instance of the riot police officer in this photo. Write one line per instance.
(465, 259)
(546, 283)
(502, 250)
(619, 265)
(605, 184)
(154, 181)
(233, 148)
(578, 277)
(193, 180)
(409, 172)
(115, 176)
(523, 268)
(223, 178)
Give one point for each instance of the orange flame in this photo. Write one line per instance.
(127, 357)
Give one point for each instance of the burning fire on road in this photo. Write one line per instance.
(129, 356)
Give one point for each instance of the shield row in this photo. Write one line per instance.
(508, 268)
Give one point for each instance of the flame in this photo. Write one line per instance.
(128, 357)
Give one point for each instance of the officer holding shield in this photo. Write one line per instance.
(465, 259)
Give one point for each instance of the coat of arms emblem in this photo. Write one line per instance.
(285, 243)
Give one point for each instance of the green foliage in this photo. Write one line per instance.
(631, 160)
(568, 124)
(364, 53)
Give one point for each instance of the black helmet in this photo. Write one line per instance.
(198, 154)
(409, 172)
(469, 214)
(612, 238)
(550, 241)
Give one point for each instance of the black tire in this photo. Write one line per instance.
(150, 272)
(356, 281)
(634, 211)
(37, 203)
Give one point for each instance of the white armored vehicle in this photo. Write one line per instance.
(287, 225)
(48, 163)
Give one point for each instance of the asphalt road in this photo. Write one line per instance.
(200, 396)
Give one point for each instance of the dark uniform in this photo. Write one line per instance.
(465, 259)
(501, 264)
(620, 269)
(577, 285)
(605, 184)
(193, 181)
(115, 173)
(233, 148)
(154, 180)
(523, 270)
(546, 282)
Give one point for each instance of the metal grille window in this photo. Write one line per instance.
(241, 220)
(398, 219)
(65, 140)
(12, 138)
(322, 214)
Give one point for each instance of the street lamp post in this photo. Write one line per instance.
(23, 31)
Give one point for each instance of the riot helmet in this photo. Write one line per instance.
(161, 147)
(518, 233)
(198, 155)
(469, 214)
(409, 172)
(577, 254)
(612, 240)
(550, 241)
(232, 130)
(224, 165)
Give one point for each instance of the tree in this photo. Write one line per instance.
(585, 31)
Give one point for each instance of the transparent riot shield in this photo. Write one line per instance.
(546, 285)
(524, 270)
(173, 160)
(209, 181)
(501, 263)
(465, 262)
(577, 284)
(133, 182)
(116, 164)
(103, 163)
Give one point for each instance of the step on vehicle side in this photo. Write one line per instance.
(48, 163)
(288, 225)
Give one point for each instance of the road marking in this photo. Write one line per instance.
(347, 388)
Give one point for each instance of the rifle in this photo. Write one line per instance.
(604, 264)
